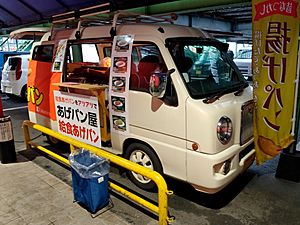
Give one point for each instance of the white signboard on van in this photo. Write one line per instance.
(78, 117)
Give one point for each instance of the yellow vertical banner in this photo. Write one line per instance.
(275, 31)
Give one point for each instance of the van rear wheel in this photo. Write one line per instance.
(144, 156)
(56, 143)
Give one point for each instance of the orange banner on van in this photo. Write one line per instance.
(275, 34)
(39, 88)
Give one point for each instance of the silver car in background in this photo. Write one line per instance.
(244, 62)
(14, 76)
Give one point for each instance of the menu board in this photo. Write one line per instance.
(119, 83)
(59, 56)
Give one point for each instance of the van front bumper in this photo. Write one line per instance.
(211, 173)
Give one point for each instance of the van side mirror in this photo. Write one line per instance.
(158, 83)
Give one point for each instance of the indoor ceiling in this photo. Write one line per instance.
(240, 17)
(20, 13)
(236, 14)
(15, 13)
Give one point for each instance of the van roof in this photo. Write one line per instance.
(153, 30)
(28, 32)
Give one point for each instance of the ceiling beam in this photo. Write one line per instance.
(228, 9)
(10, 13)
(246, 17)
(2, 24)
(60, 2)
(186, 6)
(233, 14)
(31, 8)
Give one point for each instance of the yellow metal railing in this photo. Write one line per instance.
(161, 210)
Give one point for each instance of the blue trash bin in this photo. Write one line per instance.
(89, 180)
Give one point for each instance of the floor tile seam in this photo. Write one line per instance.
(10, 204)
(14, 183)
(48, 215)
(6, 183)
(50, 184)
(28, 216)
(16, 213)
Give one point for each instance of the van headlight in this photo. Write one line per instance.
(224, 130)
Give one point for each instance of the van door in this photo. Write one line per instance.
(40, 99)
(158, 122)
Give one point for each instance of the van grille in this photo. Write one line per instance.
(246, 122)
(243, 153)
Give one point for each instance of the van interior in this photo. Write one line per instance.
(91, 62)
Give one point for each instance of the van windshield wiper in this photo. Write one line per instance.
(218, 95)
(240, 91)
(214, 97)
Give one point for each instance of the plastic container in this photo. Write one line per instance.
(89, 180)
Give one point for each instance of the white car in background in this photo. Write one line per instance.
(244, 62)
(14, 76)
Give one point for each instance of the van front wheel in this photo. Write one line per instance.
(144, 156)
(56, 143)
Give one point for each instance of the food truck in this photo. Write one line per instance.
(167, 97)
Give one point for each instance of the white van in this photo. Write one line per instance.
(14, 76)
(198, 128)
(244, 62)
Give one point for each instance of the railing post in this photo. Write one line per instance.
(162, 201)
(161, 209)
(163, 194)
(26, 135)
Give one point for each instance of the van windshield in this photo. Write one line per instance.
(205, 66)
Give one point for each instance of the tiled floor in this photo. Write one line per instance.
(31, 195)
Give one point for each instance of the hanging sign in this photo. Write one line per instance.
(274, 57)
(119, 83)
(59, 56)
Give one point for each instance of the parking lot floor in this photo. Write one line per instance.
(37, 191)
(31, 195)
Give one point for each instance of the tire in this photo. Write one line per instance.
(10, 95)
(54, 142)
(142, 155)
(24, 93)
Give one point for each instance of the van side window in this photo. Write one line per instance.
(88, 62)
(43, 53)
(146, 59)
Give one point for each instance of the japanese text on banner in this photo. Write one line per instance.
(275, 41)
